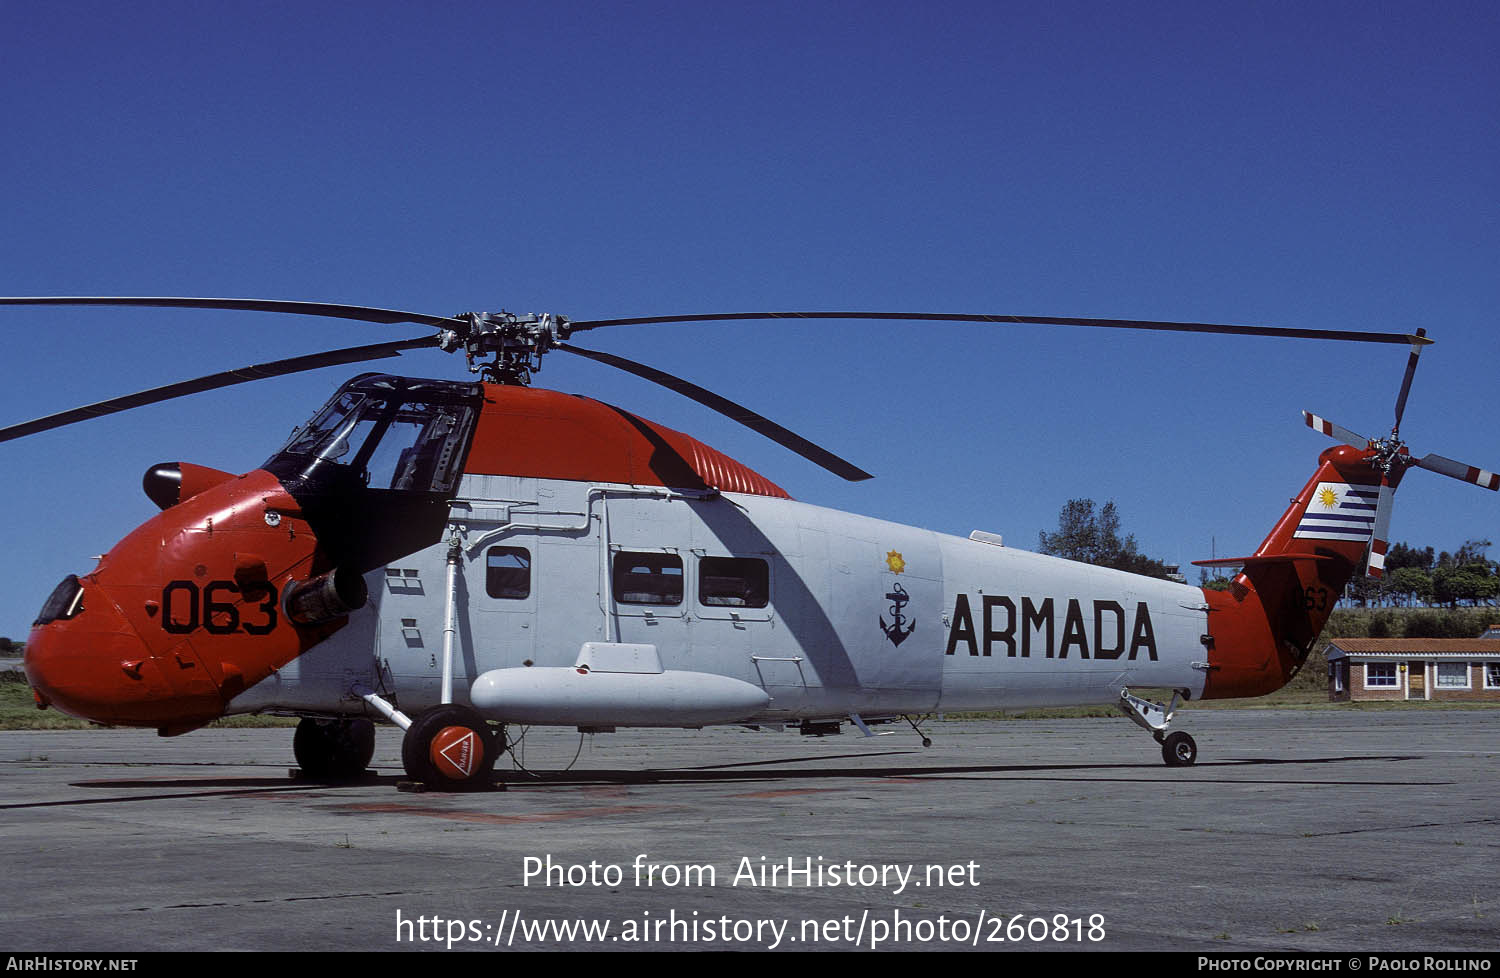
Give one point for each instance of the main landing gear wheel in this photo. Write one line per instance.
(451, 748)
(334, 750)
(1179, 750)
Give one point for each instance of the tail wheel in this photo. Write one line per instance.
(450, 747)
(334, 750)
(1179, 750)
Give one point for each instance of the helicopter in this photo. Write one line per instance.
(459, 558)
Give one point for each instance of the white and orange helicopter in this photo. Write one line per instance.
(457, 557)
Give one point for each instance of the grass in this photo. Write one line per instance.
(18, 710)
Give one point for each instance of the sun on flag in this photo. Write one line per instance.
(1338, 511)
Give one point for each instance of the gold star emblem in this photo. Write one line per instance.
(895, 562)
(1328, 497)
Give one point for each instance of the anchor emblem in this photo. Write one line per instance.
(894, 631)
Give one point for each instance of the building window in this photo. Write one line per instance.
(648, 578)
(734, 582)
(507, 573)
(1381, 675)
(1492, 675)
(1453, 675)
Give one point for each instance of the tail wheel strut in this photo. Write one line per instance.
(1177, 749)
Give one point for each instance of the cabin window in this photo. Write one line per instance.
(1380, 675)
(1492, 675)
(734, 582)
(507, 573)
(1453, 675)
(648, 578)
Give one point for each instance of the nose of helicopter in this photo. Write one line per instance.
(90, 663)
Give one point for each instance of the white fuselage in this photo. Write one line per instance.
(862, 616)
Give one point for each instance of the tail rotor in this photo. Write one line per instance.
(1391, 457)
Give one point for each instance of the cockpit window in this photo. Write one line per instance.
(319, 431)
(416, 451)
(394, 433)
(65, 601)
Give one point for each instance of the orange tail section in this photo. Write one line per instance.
(1262, 629)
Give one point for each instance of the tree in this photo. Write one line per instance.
(1465, 576)
(1213, 583)
(1404, 555)
(1413, 584)
(1092, 538)
(1364, 591)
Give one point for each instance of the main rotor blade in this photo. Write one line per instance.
(259, 371)
(329, 310)
(729, 409)
(1460, 471)
(1335, 431)
(1411, 369)
(1282, 331)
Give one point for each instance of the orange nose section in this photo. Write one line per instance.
(96, 666)
(184, 613)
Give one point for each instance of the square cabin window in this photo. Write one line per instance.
(1380, 675)
(647, 578)
(507, 573)
(734, 582)
(1453, 675)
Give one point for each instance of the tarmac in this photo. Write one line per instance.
(1336, 831)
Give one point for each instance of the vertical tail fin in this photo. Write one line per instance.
(1262, 629)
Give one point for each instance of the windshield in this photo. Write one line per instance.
(394, 433)
(307, 439)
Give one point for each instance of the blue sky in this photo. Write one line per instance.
(1327, 165)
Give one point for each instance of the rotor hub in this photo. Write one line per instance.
(505, 347)
(1390, 453)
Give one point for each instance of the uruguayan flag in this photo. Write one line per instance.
(1339, 512)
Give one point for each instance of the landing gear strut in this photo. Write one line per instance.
(334, 750)
(1177, 749)
(451, 748)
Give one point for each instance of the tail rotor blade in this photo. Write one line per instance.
(1380, 540)
(1335, 431)
(1411, 369)
(1459, 471)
